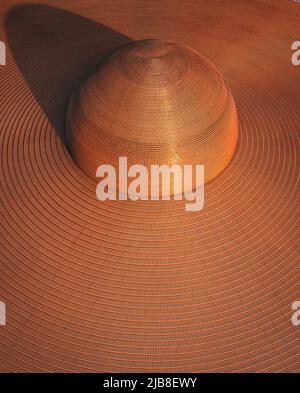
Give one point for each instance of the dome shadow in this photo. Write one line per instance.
(53, 48)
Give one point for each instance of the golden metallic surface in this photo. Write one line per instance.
(154, 102)
(146, 286)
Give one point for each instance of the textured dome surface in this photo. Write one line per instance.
(155, 102)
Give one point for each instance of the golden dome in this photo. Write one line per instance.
(155, 102)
